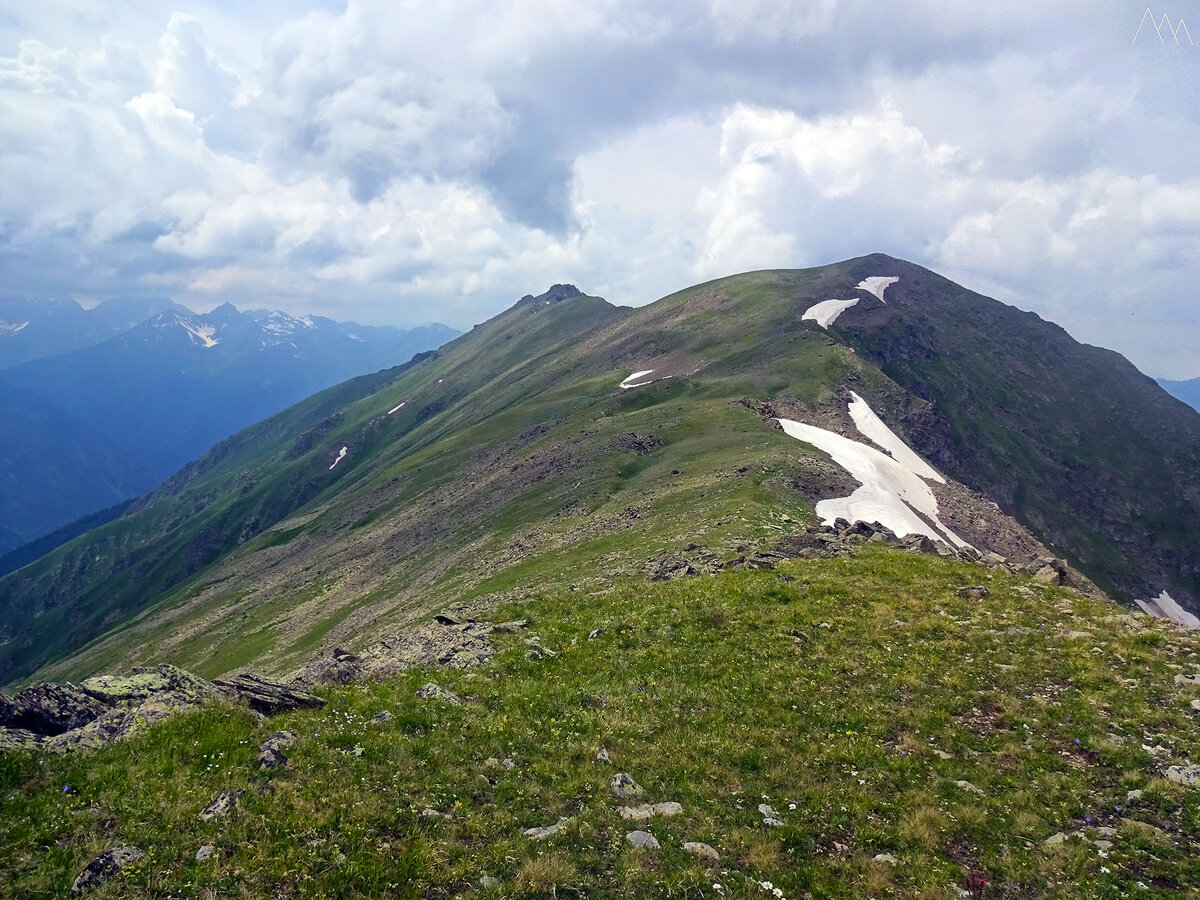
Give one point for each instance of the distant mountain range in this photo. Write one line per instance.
(31, 329)
(1187, 391)
(92, 417)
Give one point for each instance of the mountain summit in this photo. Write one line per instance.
(577, 445)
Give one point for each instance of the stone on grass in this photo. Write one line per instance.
(381, 717)
(546, 831)
(270, 752)
(205, 852)
(967, 786)
(702, 850)
(221, 805)
(271, 758)
(885, 858)
(1188, 775)
(650, 810)
(1133, 795)
(623, 785)
(643, 840)
(433, 691)
(602, 755)
(487, 881)
(432, 814)
(973, 592)
(510, 627)
(105, 866)
(770, 817)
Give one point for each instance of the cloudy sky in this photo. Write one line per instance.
(409, 162)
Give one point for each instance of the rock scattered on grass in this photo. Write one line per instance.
(770, 817)
(221, 805)
(205, 852)
(623, 785)
(433, 691)
(1130, 796)
(487, 881)
(105, 866)
(1188, 774)
(546, 831)
(650, 810)
(643, 840)
(602, 755)
(536, 651)
(973, 592)
(885, 858)
(270, 752)
(702, 850)
(513, 627)
(381, 717)
(967, 786)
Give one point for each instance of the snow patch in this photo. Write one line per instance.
(341, 455)
(6, 329)
(632, 382)
(826, 312)
(877, 284)
(280, 323)
(396, 408)
(1165, 607)
(202, 333)
(893, 490)
(873, 428)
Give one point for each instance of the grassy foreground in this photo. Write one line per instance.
(874, 709)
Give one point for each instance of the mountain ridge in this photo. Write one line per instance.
(515, 456)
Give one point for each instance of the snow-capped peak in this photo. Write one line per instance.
(6, 328)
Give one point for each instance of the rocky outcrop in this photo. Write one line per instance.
(448, 641)
(61, 717)
(51, 709)
(266, 696)
(844, 538)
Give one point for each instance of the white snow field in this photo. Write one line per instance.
(202, 333)
(396, 408)
(873, 428)
(7, 329)
(892, 491)
(632, 380)
(826, 312)
(1165, 607)
(341, 455)
(877, 284)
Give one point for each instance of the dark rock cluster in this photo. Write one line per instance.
(66, 716)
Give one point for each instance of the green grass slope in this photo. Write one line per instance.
(875, 710)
